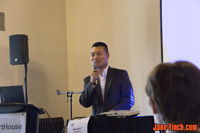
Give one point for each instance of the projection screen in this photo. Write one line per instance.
(180, 30)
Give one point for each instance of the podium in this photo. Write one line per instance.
(19, 118)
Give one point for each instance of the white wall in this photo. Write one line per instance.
(132, 31)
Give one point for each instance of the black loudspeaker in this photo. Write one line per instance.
(19, 49)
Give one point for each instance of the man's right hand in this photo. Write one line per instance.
(94, 77)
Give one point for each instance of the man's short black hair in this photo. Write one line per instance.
(97, 44)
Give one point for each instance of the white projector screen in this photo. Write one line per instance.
(180, 30)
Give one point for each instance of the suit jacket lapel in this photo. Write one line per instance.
(109, 79)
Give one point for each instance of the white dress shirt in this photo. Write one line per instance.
(102, 79)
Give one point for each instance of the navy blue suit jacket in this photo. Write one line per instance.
(118, 93)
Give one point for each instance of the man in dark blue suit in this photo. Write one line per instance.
(107, 88)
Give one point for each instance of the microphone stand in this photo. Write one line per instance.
(69, 94)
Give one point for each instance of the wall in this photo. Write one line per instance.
(132, 31)
(60, 37)
(44, 21)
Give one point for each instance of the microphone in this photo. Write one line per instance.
(95, 67)
(58, 92)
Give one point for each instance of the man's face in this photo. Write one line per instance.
(99, 57)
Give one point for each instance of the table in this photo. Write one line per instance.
(136, 124)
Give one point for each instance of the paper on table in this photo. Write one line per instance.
(78, 125)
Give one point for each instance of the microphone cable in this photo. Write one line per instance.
(54, 131)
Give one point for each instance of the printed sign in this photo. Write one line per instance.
(13, 123)
(78, 126)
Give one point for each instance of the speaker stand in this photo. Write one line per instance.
(25, 83)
